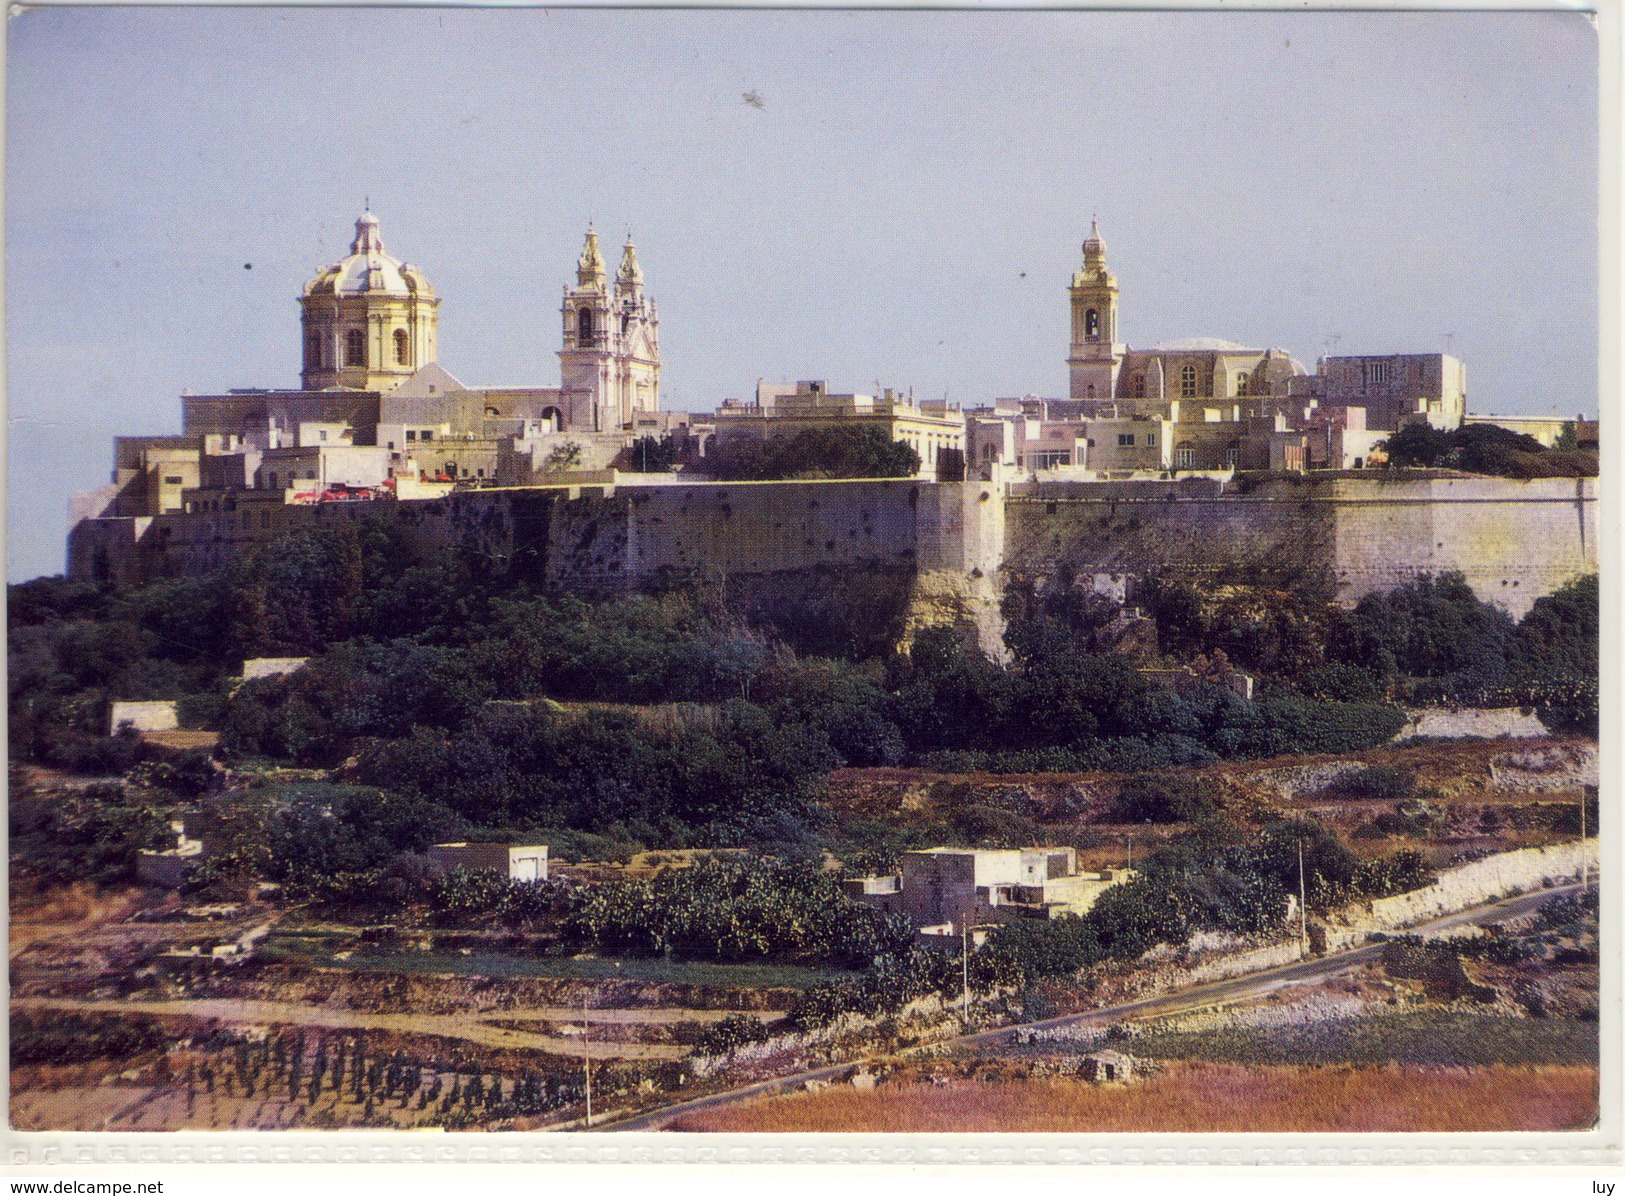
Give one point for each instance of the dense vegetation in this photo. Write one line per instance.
(1219, 875)
(811, 453)
(1488, 449)
(676, 720)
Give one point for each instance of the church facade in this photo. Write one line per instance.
(377, 416)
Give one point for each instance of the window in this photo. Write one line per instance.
(272, 476)
(1139, 386)
(313, 352)
(355, 347)
(1125, 440)
(1376, 373)
(1185, 457)
(1232, 454)
(172, 480)
(1091, 391)
(1091, 324)
(411, 435)
(584, 328)
(1241, 382)
(1150, 440)
(425, 435)
(1187, 381)
(403, 348)
(322, 435)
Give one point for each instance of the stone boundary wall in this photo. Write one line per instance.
(1504, 874)
(143, 716)
(1504, 723)
(1256, 959)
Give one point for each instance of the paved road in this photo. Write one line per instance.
(1254, 984)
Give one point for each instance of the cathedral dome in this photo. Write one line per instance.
(369, 270)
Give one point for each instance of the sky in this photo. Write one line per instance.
(860, 197)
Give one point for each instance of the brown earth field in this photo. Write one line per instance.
(1192, 1098)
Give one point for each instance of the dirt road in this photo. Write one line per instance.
(1255, 984)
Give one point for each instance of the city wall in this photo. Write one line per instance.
(1341, 537)
(925, 553)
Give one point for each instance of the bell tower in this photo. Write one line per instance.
(637, 346)
(610, 362)
(585, 367)
(1096, 354)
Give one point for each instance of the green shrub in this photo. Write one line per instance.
(1150, 797)
(727, 1035)
(1384, 782)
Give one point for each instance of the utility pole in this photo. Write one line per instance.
(964, 961)
(1585, 864)
(586, 1056)
(1303, 903)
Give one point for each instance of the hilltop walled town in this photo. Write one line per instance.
(1188, 451)
(401, 753)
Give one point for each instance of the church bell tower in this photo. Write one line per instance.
(1096, 353)
(610, 362)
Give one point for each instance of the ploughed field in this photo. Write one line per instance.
(1193, 1098)
(319, 1029)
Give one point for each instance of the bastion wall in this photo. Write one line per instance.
(1514, 541)
(930, 553)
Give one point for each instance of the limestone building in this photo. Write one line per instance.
(931, 428)
(377, 416)
(369, 319)
(1205, 404)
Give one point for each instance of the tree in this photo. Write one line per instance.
(1418, 444)
(866, 452)
(1156, 797)
(564, 457)
(652, 455)
(1554, 656)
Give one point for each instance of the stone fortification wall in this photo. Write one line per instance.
(1347, 537)
(952, 546)
(1195, 530)
(1514, 541)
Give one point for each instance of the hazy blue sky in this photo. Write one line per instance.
(906, 204)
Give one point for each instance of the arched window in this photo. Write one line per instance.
(1187, 381)
(355, 347)
(1241, 382)
(1091, 391)
(1184, 456)
(403, 348)
(1232, 453)
(1091, 324)
(584, 328)
(1139, 386)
